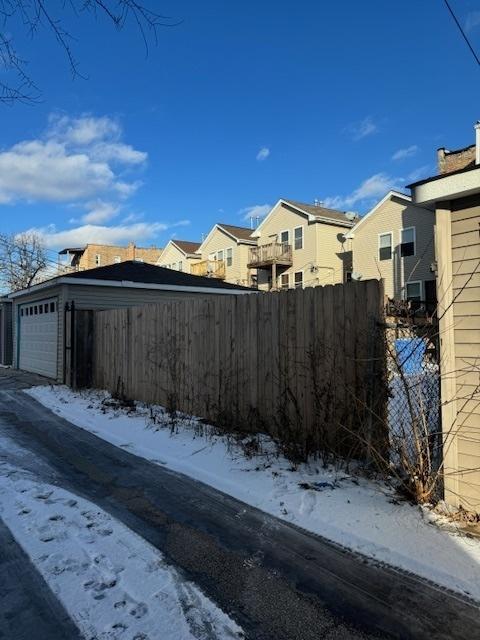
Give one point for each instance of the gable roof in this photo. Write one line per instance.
(239, 233)
(185, 246)
(314, 213)
(139, 275)
(391, 194)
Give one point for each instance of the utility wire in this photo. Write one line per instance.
(465, 37)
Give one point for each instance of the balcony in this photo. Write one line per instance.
(266, 255)
(209, 269)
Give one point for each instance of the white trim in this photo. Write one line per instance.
(420, 282)
(279, 278)
(414, 241)
(303, 238)
(310, 217)
(389, 196)
(449, 187)
(127, 284)
(279, 235)
(226, 256)
(379, 235)
(303, 279)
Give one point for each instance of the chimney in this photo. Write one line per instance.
(441, 162)
(131, 251)
(477, 142)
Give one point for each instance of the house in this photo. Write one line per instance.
(300, 245)
(394, 241)
(39, 311)
(225, 253)
(180, 255)
(5, 331)
(100, 255)
(454, 198)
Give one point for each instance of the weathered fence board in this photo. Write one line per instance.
(306, 366)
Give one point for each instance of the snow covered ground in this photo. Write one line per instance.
(360, 514)
(112, 583)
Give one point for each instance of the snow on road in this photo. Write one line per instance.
(113, 584)
(360, 514)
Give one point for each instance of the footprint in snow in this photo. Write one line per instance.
(139, 610)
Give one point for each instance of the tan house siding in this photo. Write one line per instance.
(172, 257)
(319, 259)
(465, 234)
(219, 240)
(392, 216)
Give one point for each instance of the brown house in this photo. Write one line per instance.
(101, 255)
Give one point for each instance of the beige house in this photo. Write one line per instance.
(225, 253)
(180, 255)
(454, 197)
(300, 245)
(101, 255)
(394, 241)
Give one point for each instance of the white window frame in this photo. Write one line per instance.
(281, 283)
(180, 265)
(222, 252)
(117, 259)
(279, 237)
(231, 257)
(303, 279)
(419, 282)
(414, 242)
(380, 235)
(294, 239)
(98, 260)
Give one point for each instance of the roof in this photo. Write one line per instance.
(443, 175)
(71, 250)
(134, 271)
(318, 211)
(186, 246)
(240, 233)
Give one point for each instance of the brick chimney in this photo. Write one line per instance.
(131, 251)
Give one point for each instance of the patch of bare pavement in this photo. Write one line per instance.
(276, 580)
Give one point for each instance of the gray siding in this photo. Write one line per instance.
(6, 346)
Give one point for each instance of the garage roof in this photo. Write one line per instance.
(137, 274)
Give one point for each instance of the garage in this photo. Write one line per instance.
(38, 337)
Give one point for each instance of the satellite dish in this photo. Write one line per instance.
(351, 215)
(356, 275)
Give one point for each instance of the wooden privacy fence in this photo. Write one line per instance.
(306, 366)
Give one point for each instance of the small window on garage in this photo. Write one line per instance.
(36, 310)
(40, 308)
(21, 312)
(46, 307)
(52, 307)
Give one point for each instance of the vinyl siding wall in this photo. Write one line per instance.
(465, 230)
(6, 333)
(221, 241)
(318, 259)
(392, 216)
(172, 255)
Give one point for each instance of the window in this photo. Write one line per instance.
(229, 257)
(97, 260)
(36, 310)
(407, 242)
(40, 308)
(284, 237)
(116, 259)
(220, 255)
(46, 307)
(21, 312)
(348, 276)
(298, 238)
(298, 279)
(385, 246)
(180, 265)
(52, 307)
(413, 291)
(284, 281)
(174, 266)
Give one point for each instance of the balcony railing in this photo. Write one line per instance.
(267, 254)
(209, 269)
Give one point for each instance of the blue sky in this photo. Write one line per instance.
(239, 105)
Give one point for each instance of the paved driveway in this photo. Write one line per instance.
(276, 580)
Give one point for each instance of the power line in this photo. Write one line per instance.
(465, 37)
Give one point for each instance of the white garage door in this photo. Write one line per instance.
(38, 345)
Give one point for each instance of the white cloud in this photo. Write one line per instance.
(100, 212)
(372, 188)
(421, 172)
(472, 21)
(362, 129)
(72, 161)
(406, 152)
(263, 154)
(117, 235)
(255, 211)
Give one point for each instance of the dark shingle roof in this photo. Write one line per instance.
(132, 271)
(186, 246)
(319, 211)
(240, 233)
